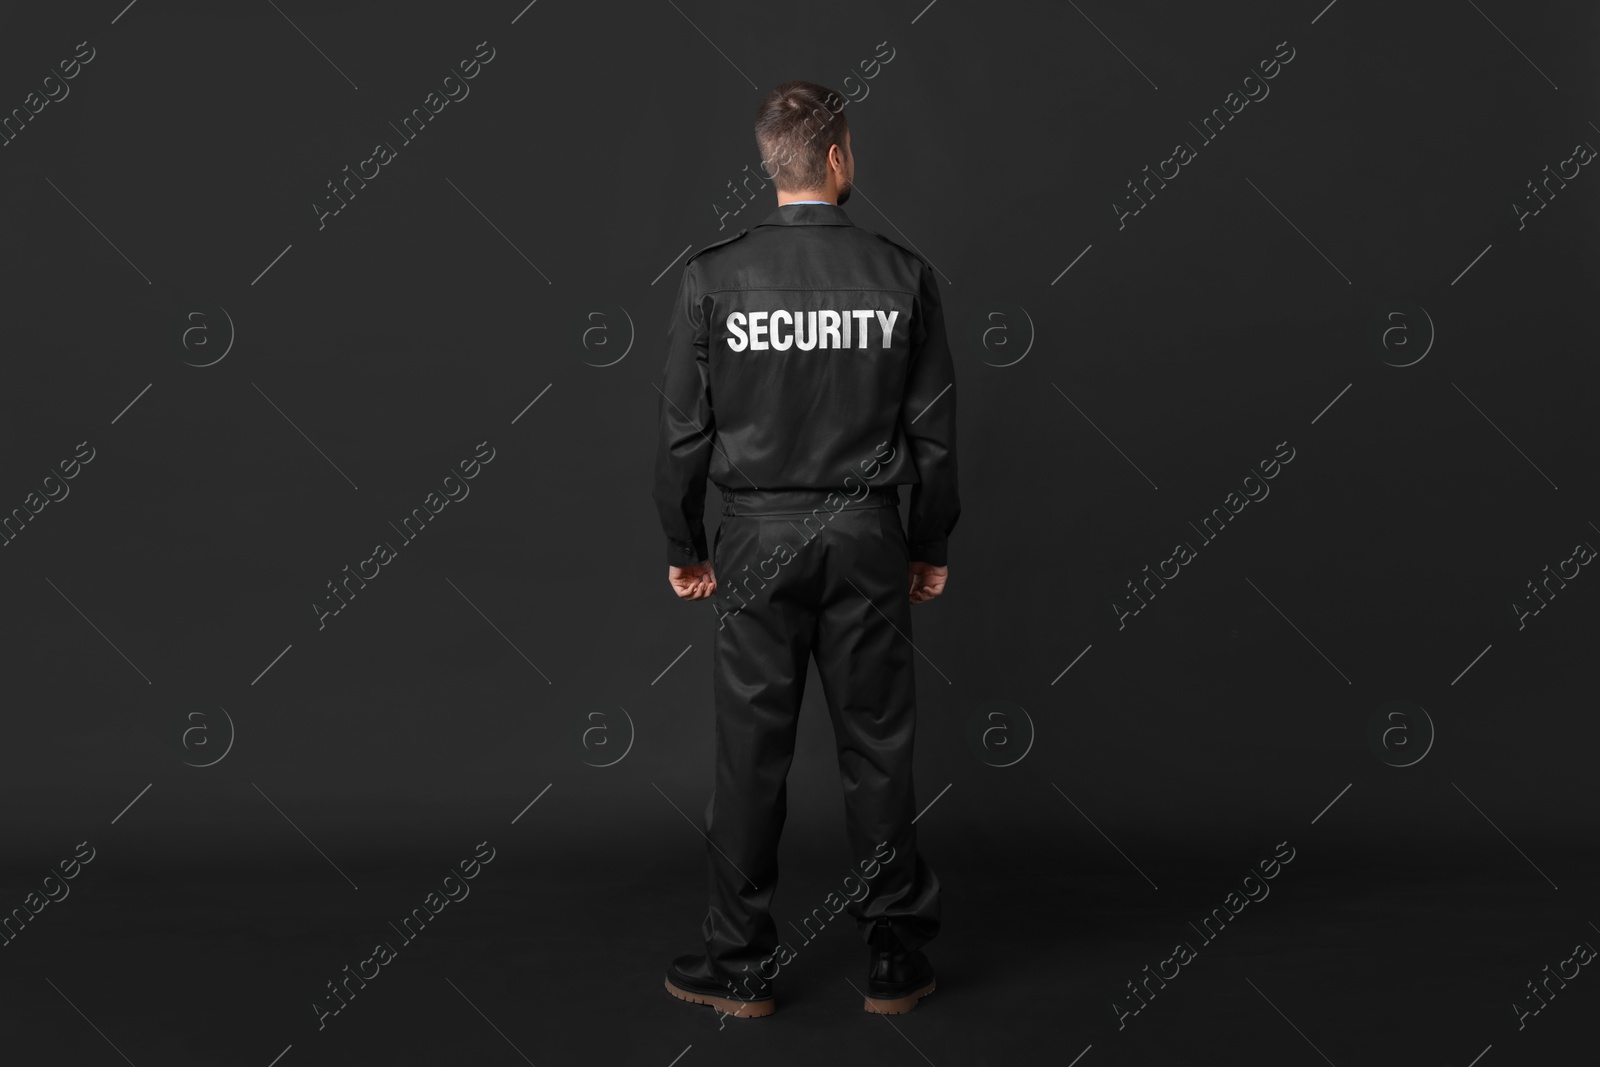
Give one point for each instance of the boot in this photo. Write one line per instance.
(896, 978)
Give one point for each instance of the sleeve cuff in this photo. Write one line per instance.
(687, 553)
(935, 552)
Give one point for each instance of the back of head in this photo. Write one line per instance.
(796, 124)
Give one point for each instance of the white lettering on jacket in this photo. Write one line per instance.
(760, 331)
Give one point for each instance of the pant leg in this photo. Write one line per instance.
(865, 661)
(762, 651)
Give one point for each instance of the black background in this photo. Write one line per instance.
(1238, 310)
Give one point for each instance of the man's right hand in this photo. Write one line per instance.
(693, 583)
(927, 581)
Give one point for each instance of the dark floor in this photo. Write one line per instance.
(1356, 957)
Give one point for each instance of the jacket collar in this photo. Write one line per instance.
(807, 215)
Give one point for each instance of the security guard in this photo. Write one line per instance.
(808, 375)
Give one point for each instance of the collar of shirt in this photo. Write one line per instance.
(807, 213)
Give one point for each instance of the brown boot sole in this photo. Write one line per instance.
(737, 1009)
(900, 1005)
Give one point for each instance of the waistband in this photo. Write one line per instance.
(804, 501)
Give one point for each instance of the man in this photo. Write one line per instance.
(808, 375)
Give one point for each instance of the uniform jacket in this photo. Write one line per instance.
(807, 353)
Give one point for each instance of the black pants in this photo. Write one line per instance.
(801, 576)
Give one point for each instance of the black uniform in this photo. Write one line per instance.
(807, 375)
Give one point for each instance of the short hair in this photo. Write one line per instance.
(796, 124)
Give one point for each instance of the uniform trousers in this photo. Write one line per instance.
(836, 592)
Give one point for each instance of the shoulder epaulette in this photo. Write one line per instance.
(715, 244)
(920, 258)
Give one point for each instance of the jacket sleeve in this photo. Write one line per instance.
(928, 417)
(687, 426)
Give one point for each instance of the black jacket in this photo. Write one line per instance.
(807, 353)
